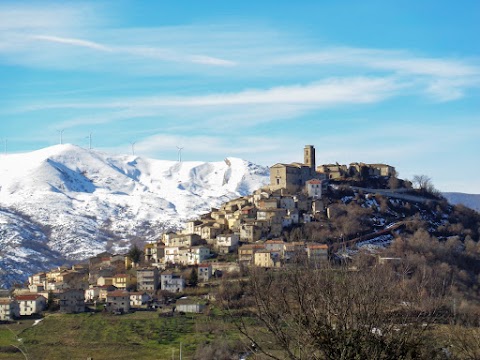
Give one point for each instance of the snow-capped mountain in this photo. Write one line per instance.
(66, 203)
(471, 201)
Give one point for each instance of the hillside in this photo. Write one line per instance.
(67, 203)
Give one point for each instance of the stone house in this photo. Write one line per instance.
(287, 202)
(36, 288)
(293, 250)
(104, 290)
(102, 259)
(318, 206)
(249, 232)
(105, 280)
(148, 279)
(317, 253)
(333, 171)
(118, 302)
(204, 272)
(122, 281)
(247, 252)
(226, 243)
(38, 279)
(184, 240)
(71, 301)
(210, 231)
(266, 258)
(275, 245)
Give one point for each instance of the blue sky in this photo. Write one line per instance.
(372, 81)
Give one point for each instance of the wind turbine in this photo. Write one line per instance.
(89, 137)
(61, 136)
(179, 153)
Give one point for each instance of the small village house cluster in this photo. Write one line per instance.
(248, 229)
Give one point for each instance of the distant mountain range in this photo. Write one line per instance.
(469, 200)
(65, 203)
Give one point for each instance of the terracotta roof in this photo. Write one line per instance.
(204, 265)
(314, 182)
(274, 242)
(317, 246)
(5, 301)
(27, 297)
(251, 246)
(120, 275)
(118, 293)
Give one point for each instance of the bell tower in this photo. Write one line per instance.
(309, 157)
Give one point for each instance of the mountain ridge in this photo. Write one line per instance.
(81, 202)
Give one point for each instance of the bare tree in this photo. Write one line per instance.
(307, 313)
(421, 182)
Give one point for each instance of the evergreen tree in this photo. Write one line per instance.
(193, 279)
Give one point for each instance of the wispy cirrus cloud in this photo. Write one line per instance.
(325, 93)
(443, 79)
(74, 42)
(137, 51)
(389, 60)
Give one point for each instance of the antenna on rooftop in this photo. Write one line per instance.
(179, 153)
(89, 141)
(133, 147)
(61, 136)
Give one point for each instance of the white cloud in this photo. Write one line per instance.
(73, 42)
(390, 60)
(326, 93)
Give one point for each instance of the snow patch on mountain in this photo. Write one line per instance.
(65, 203)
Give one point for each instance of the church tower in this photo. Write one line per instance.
(309, 157)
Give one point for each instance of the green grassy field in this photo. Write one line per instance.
(140, 335)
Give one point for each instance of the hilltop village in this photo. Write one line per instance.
(248, 231)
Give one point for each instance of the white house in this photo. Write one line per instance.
(188, 306)
(31, 304)
(197, 255)
(92, 293)
(171, 282)
(138, 299)
(314, 188)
